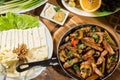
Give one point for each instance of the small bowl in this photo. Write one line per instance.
(51, 19)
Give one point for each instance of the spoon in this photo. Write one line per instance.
(26, 66)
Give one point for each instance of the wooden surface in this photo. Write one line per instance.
(55, 73)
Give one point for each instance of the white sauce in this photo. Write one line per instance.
(50, 12)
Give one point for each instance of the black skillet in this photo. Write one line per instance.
(55, 61)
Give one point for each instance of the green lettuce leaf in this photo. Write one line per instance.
(18, 21)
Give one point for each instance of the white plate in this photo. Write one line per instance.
(24, 10)
(50, 52)
(88, 14)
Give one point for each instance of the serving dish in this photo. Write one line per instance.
(57, 60)
(88, 14)
(20, 10)
(37, 70)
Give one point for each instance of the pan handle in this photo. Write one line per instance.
(26, 66)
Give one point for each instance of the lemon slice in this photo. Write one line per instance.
(90, 5)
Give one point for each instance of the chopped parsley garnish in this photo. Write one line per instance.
(112, 58)
(76, 67)
(57, 8)
(105, 35)
(70, 62)
(92, 29)
(81, 46)
(96, 37)
(70, 54)
(108, 41)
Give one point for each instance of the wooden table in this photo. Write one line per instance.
(53, 72)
